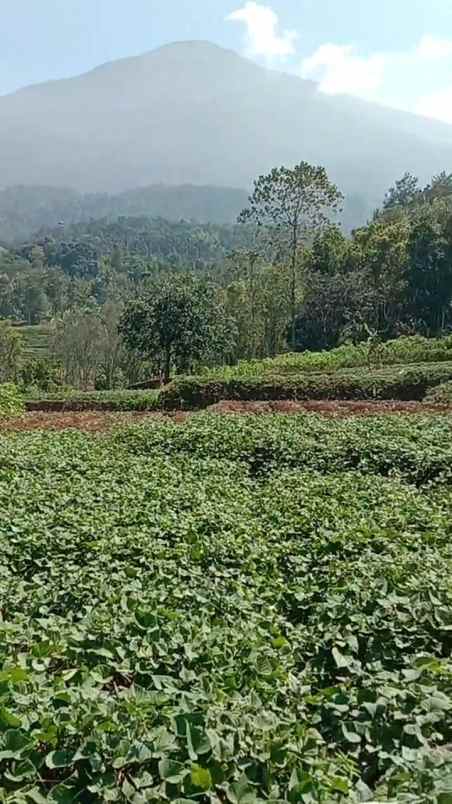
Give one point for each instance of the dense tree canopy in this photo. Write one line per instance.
(289, 205)
(286, 277)
(177, 322)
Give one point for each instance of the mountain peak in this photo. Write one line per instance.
(186, 51)
(193, 112)
(193, 45)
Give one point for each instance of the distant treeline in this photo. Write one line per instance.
(263, 286)
(25, 211)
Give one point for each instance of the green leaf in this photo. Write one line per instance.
(440, 701)
(341, 660)
(201, 777)
(342, 785)
(349, 735)
(172, 771)
(241, 792)
(36, 796)
(60, 759)
(409, 754)
(183, 801)
(14, 675)
(20, 771)
(15, 740)
(8, 720)
(64, 794)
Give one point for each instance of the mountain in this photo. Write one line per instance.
(24, 209)
(194, 113)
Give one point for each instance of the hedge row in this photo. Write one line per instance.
(441, 394)
(398, 383)
(409, 350)
(114, 401)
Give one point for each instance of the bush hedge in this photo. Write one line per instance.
(400, 351)
(94, 400)
(406, 383)
(11, 402)
(441, 395)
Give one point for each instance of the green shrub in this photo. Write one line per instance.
(407, 383)
(403, 351)
(74, 400)
(11, 402)
(39, 373)
(442, 394)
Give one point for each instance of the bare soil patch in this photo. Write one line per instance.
(99, 421)
(89, 421)
(327, 407)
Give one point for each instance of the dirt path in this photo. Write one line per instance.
(98, 421)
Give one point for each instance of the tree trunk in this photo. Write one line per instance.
(167, 365)
(293, 295)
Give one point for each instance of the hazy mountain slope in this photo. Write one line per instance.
(195, 113)
(24, 210)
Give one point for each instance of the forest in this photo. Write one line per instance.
(251, 290)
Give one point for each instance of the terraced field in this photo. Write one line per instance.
(36, 340)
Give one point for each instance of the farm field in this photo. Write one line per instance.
(97, 420)
(402, 382)
(36, 340)
(409, 369)
(234, 609)
(406, 350)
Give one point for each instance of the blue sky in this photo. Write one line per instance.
(397, 52)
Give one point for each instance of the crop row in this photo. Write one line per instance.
(232, 610)
(412, 382)
(396, 382)
(401, 351)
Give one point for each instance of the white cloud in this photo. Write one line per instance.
(338, 70)
(263, 37)
(432, 48)
(437, 105)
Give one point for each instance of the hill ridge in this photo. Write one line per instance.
(193, 112)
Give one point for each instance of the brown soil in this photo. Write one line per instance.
(100, 421)
(89, 421)
(328, 407)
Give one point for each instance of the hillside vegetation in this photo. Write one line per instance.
(403, 351)
(270, 625)
(441, 394)
(407, 369)
(280, 301)
(25, 210)
(398, 382)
